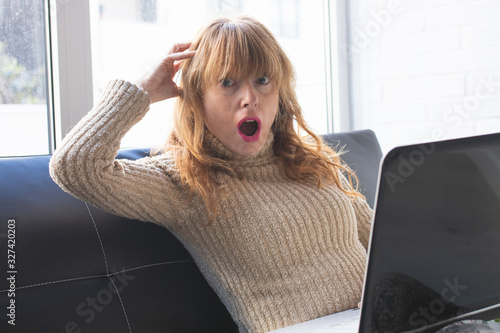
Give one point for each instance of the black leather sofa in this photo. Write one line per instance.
(77, 269)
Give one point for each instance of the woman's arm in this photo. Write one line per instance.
(85, 165)
(364, 218)
(364, 214)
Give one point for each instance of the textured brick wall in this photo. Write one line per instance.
(425, 69)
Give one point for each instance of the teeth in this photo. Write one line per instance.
(249, 121)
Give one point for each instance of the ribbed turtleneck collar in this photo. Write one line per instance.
(263, 157)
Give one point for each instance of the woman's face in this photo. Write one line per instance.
(240, 112)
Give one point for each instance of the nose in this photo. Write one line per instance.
(249, 95)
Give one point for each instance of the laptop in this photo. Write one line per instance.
(434, 253)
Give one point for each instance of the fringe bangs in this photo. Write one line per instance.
(238, 49)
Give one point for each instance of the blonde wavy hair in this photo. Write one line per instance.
(241, 48)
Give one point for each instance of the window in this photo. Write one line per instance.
(25, 120)
(57, 56)
(57, 71)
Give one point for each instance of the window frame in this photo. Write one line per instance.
(338, 80)
(71, 64)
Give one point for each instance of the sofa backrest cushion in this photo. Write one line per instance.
(363, 155)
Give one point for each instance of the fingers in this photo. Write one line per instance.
(177, 53)
(179, 47)
(181, 55)
(173, 61)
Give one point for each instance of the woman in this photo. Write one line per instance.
(271, 221)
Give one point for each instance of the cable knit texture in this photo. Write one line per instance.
(279, 253)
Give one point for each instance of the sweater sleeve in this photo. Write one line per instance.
(364, 214)
(364, 218)
(85, 165)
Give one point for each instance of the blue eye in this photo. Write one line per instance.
(227, 82)
(263, 80)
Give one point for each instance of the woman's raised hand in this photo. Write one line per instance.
(159, 83)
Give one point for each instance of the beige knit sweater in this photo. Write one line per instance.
(280, 252)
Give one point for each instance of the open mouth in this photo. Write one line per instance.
(249, 129)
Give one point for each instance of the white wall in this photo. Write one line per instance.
(425, 70)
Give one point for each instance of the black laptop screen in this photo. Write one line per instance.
(435, 251)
